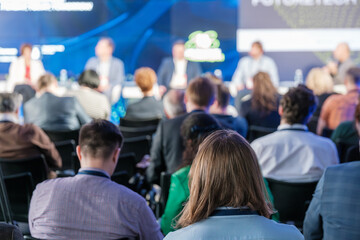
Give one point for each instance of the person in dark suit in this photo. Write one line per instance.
(110, 69)
(219, 110)
(148, 107)
(175, 72)
(167, 146)
(334, 211)
(53, 113)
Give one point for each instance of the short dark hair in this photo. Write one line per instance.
(354, 75)
(297, 104)
(46, 80)
(222, 95)
(89, 78)
(201, 91)
(100, 138)
(9, 102)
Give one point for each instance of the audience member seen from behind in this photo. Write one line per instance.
(219, 110)
(95, 104)
(334, 211)
(194, 129)
(24, 69)
(10, 232)
(167, 147)
(110, 69)
(292, 153)
(340, 108)
(51, 112)
(338, 69)
(224, 163)
(92, 206)
(23, 141)
(261, 107)
(173, 102)
(321, 83)
(148, 107)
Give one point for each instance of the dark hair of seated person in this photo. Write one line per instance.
(100, 138)
(90, 79)
(195, 128)
(297, 104)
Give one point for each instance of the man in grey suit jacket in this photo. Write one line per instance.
(109, 68)
(175, 72)
(53, 113)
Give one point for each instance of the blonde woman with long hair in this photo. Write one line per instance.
(227, 195)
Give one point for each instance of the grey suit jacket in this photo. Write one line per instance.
(146, 108)
(167, 67)
(53, 113)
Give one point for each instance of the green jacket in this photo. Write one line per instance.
(178, 196)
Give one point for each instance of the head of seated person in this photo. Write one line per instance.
(352, 79)
(200, 94)
(47, 83)
(221, 101)
(145, 78)
(297, 106)
(319, 81)
(99, 145)
(195, 128)
(225, 162)
(173, 103)
(264, 94)
(90, 79)
(9, 105)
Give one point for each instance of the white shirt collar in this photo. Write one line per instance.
(8, 117)
(295, 126)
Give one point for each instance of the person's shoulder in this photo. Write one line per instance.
(117, 60)
(345, 167)
(182, 173)
(282, 231)
(174, 121)
(125, 195)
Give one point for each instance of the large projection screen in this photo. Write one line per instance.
(299, 33)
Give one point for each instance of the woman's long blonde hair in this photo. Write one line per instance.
(225, 172)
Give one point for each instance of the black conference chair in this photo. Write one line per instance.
(292, 199)
(140, 146)
(342, 148)
(67, 152)
(26, 91)
(327, 132)
(165, 181)
(134, 128)
(125, 169)
(57, 136)
(126, 122)
(352, 154)
(258, 131)
(35, 165)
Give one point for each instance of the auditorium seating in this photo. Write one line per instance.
(291, 199)
(352, 154)
(125, 169)
(67, 152)
(255, 132)
(140, 146)
(135, 128)
(57, 136)
(343, 148)
(165, 181)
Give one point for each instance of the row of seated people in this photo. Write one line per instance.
(195, 92)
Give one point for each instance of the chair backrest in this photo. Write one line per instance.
(57, 136)
(343, 148)
(4, 202)
(35, 165)
(140, 146)
(258, 131)
(125, 169)
(126, 122)
(67, 152)
(327, 132)
(165, 181)
(291, 199)
(130, 132)
(352, 154)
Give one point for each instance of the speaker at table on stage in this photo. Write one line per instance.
(109, 68)
(250, 65)
(175, 72)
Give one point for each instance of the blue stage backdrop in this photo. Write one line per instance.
(143, 31)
